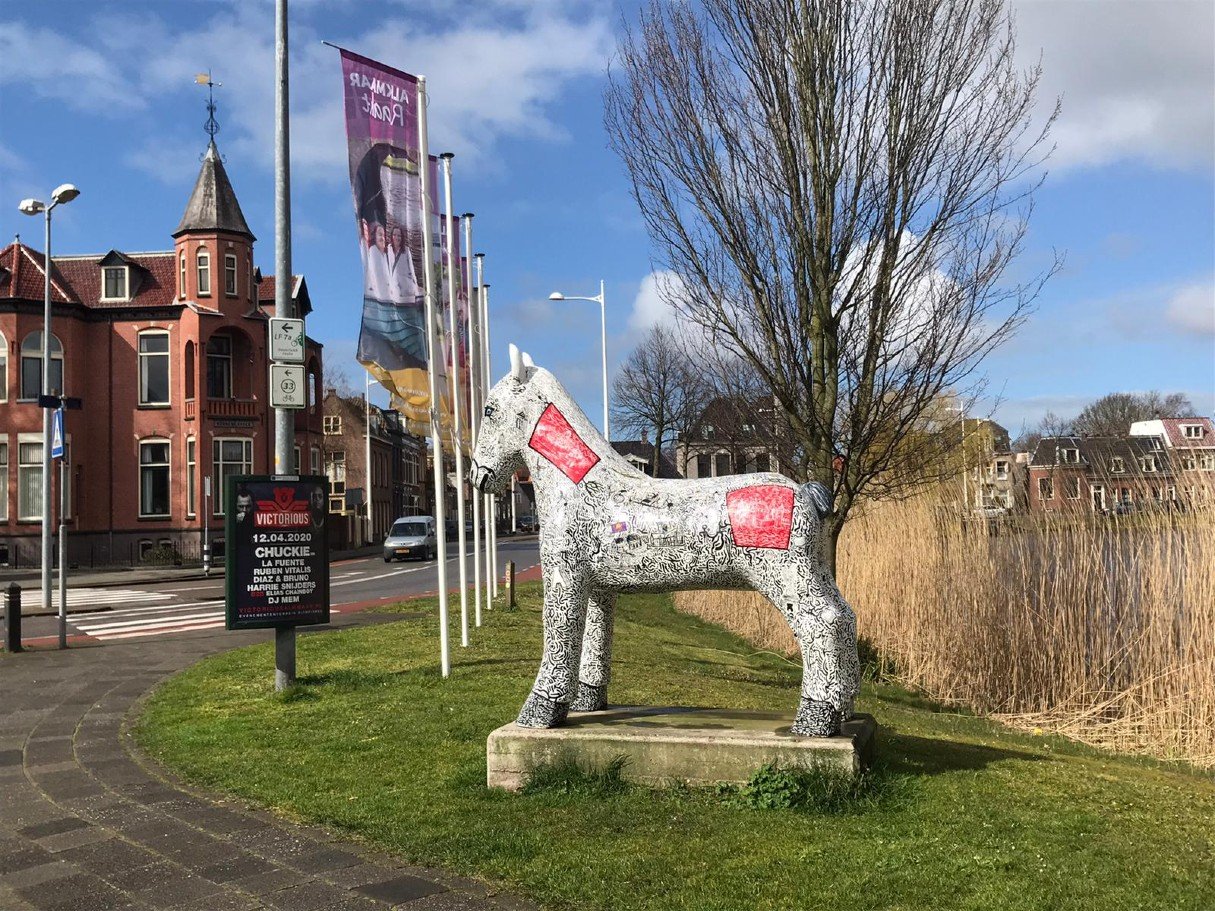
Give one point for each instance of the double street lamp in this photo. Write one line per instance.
(599, 299)
(62, 194)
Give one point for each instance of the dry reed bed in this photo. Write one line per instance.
(1100, 629)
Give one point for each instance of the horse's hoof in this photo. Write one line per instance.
(589, 698)
(539, 712)
(817, 719)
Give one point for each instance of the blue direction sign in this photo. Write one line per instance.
(57, 433)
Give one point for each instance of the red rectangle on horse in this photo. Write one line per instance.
(761, 516)
(558, 442)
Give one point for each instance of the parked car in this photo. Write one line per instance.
(527, 523)
(411, 536)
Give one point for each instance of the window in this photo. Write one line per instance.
(202, 260)
(296, 463)
(228, 457)
(333, 424)
(189, 368)
(1067, 454)
(3, 482)
(31, 366)
(3, 368)
(114, 283)
(722, 464)
(1072, 486)
(706, 432)
(1001, 471)
(154, 478)
(337, 461)
(154, 368)
(761, 462)
(181, 274)
(191, 480)
(1207, 461)
(29, 480)
(1125, 495)
(704, 466)
(230, 274)
(1148, 463)
(219, 367)
(316, 460)
(1189, 462)
(1046, 490)
(1117, 466)
(1192, 431)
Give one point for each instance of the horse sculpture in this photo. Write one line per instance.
(606, 528)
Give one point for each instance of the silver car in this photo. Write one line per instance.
(413, 536)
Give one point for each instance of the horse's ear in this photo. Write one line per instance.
(527, 360)
(516, 364)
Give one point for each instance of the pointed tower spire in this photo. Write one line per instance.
(213, 205)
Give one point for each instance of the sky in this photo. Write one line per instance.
(102, 95)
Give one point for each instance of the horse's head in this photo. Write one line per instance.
(511, 411)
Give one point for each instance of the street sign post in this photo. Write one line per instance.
(277, 551)
(288, 387)
(287, 340)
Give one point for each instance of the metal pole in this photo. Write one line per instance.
(486, 382)
(284, 305)
(492, 518)
(474, 400)
(432, 341)
(457, 432)
(63, 504)
(46, 430)
(367, 417)
(603, 337)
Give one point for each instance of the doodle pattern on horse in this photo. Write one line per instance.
(606, 528)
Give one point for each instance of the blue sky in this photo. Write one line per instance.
(102, 95)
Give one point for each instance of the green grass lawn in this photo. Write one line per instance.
(967, 815)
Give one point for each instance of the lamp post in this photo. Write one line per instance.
(64, 193)
(599, 299)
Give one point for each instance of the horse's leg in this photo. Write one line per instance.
(596, 667)
(825, 628)
(565, 596)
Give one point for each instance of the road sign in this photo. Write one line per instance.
(57, 434)
(288, 387)
(277, 551)
(287, 340)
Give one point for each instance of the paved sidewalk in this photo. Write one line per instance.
(86, 823)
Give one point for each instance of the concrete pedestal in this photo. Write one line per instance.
(664, 744)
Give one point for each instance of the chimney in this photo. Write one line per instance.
(645, 436)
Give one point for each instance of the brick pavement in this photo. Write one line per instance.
(87, 823)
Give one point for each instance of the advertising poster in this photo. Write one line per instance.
(277, 551)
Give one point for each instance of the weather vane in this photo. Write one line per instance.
(212, 125)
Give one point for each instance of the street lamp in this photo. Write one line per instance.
(64, 193)
(558, 296)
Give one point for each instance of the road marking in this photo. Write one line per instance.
(98, 596)
(139, 634)
(160, 608)
(395, 572)
(92, 627)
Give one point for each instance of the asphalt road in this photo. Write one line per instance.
(150, 610)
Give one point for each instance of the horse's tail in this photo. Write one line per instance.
(819, 496)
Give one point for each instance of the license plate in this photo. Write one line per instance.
(402, 550)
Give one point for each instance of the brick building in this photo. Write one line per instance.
(167, 349)
(397, 460)
(1100, 474)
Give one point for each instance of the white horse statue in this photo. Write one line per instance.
(606, 528)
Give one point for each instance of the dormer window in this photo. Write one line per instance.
(1117, 465)
(114, 283)
(1148, 464)
(203, 262)
(1068, 454)
(1192, 431)
(707, 431)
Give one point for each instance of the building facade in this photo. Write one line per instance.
(732, 436)
(167, 350)
(1101, 474)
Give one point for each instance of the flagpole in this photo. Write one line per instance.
(367, 419)
(474, 401)
(492, 556)
(486, 382)
(432, 342)
(456, 423)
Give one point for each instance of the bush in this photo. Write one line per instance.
(162, 555)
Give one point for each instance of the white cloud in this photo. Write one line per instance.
(1191, 309)
(1137, 78)
(651, 306)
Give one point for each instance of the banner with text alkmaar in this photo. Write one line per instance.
(385, 174)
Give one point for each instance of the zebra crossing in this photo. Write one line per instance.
(148, 613)
(90, 597)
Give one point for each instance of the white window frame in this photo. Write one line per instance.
(167, 465)
(55, 356)
(217, 462)
(191, 477)
(1189, 462)
(332, 424)
(4, 368)
(1147, 464)
(230, 287)
(1197, 433)
(126, 283)
(33, 514)
(202, 269)
(1206, 461)
(1117, 465)
(166, 354)
(1068, 488)
(315, 460)
(1001, 470)
(1046, 489)
(181, 275)
(4, 480)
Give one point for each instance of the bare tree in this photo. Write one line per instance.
(1113, 414)
(1049, 425)
(658, 388)
(840, 188)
